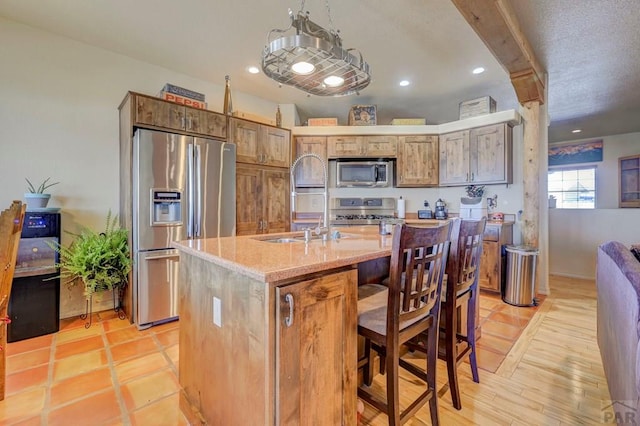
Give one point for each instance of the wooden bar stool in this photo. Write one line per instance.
(463, 269)
(409, 310)
(461, 282)
(11, 221)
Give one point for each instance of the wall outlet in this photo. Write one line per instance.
(217, 311)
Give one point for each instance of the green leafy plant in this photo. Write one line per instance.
(41, 188)
(100, 260)
(474, 191)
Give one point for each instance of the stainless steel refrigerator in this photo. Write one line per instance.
(183, 188)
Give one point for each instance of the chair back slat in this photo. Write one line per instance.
(10, 228)
(418, 261)
(463, 264)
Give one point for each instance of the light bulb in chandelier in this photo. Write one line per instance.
(334, 81)
(303, 68)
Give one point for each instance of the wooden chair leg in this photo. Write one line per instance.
(451, 356)
(432, 358)
(393, 383)
(471, 335)
(367, 371)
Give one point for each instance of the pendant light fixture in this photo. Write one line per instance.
(312, 58)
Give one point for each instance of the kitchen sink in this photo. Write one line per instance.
(298, 238)
(283, 240)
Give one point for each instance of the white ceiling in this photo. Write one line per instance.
(590, 49)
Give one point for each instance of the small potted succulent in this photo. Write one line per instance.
(36, 196)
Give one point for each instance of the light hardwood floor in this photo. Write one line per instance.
(552, 376)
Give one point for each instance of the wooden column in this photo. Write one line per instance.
(497, 25)
(531, 173)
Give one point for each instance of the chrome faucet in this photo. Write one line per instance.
(319, 230)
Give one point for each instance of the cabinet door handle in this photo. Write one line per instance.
(467, 179)
(472, 177)
(288, 320)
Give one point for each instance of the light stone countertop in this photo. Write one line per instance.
(272, 262)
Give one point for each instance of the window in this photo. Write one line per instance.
(573, 187)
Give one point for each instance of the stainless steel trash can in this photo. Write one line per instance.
(520, 283)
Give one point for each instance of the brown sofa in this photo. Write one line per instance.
(618, 288)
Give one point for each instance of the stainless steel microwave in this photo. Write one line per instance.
(353, 173)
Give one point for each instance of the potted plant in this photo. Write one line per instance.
(36, 197)
(100, 260)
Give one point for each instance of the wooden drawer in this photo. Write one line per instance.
(491, 233)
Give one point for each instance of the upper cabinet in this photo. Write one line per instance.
(262, 200)
(629, 181)
(477, 156)
(362, 146)
(310, 172)
(154, 112)
(260, 144)
(417, 163)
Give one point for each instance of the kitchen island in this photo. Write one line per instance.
(268, 330)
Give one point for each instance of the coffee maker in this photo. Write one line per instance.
(440, 212)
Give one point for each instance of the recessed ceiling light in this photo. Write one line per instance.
(478, 70)
(405, 83)
(576, 131)
(253, 70)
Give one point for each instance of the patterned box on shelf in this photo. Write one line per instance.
(172, 97)
(408, 121)
(185, 93)
(362, 115)
(475, 107)
(327, 121)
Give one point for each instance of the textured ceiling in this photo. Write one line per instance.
(589, 48)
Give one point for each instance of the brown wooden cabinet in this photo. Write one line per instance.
(262, 200)
(629, 181)
(417, 163)
(283, 353)
(309, 173)
(491, 262)
(477, 156)
(316, 324)
(260, 144)
(158, 113)
(362, 146)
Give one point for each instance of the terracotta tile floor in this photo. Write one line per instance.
(109, 374)
(501, 325)
(113, 374)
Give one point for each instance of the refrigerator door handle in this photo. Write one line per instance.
(163, 256)
(198, 192)
(190, 192)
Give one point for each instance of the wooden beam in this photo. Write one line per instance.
(497, 26)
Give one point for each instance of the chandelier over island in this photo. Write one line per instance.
(312, 59)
